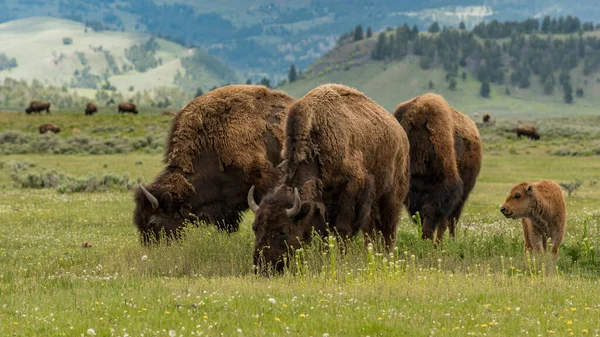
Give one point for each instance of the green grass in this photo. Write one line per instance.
(480, 283)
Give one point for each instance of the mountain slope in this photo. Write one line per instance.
(64, 53)
(263, 37)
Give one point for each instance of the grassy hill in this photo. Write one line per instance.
(394, 81)
(41, 54)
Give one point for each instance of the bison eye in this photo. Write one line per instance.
(517, 196)
(153, 224)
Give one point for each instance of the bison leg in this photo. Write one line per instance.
(389, 212)
(557, 236)
(527, 234)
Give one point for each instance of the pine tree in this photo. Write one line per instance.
(434, 28)
(464, 76)
(292, 75)
(485, 90)
(507, 92)
(248, 81)
(568, 96)
(369, 32)
(546, 25)
(549, 84)
(199, 92)
(579, 92)
(358, 33)
(462, 26)
(452, 85)
(381, 47)
(414, 33)
(430, 85)
(266, 82)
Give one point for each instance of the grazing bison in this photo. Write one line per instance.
(38, 107)
(345, 164)
(541, 207)
(527, 131)
(220, 144)
(52, 128)
(486, 117)
(91, 109)
(127, 107)
(445, 159)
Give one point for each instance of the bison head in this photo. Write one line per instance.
(518, 202)
(28, 110)
(282, 221)
(156, 212)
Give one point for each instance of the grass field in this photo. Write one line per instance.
(479, 284)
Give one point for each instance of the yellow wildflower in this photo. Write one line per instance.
(584, 331)
(302, 315)
(573, 309)
(484, 325)
(167, 312)
(569, 322)
(277, 319)
(205, 317)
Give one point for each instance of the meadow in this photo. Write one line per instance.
(71, 263)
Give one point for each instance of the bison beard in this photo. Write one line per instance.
(445, 153)
(220, 144)
(335, 172)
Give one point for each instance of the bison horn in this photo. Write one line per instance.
(150, 197)
(292, 212)
(251, 203)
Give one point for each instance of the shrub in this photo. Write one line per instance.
(65, 183)
(67, 40)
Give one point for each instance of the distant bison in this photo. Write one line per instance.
(220, 144)
(486, 117)
(445, 159)
(127, 107)
(38, 107)
(527, 131)
(52, 128)
(541, 207)
(345, 165)
(91, 109)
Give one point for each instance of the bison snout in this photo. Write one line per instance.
(507, 213)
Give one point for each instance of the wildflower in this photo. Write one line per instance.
(172, 333)
(587, 308)
(272, 300)
(277, 319)
(507, 308)
(569, 322)
(584, 330)
(97, 303)
(144, 257)
(91, 332)
(517, 309)
(167, 312)
(239, 330)
(205, 317)
(379, 318)
(573, 309)
(484, 325)
(550, 331)
(302, 315)
(284, 305)
(456, 328)
(326, 334)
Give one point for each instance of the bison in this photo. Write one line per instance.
(541, 207)
(486, 117)
(219, 145)
(52, 128)
(445, 159)
(127, 107)
(38, 107)
(91, 109)
(345, 164)
(527, 131)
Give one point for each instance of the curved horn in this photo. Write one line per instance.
(251, 203)
(292, 212)
(150, 197)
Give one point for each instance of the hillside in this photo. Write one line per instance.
(528, 73)
(263, 37)
(61, 52)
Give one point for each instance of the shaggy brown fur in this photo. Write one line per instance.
(348, 158)
(220, 144)
(127, 107)
(541, 207)
(527, 131)
(91, 109)
(53, 128)
(38, 107)
(445, 159)
(486, 117)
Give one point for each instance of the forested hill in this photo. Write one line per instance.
(552, 60)
(262, 37)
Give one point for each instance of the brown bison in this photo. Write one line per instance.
(527, 131)
(541, 207)
(345, 164)
(127, 107)
(445, 159)
(486, 117)
(220, 144)
(52, 128)
(91, 109)
(38, 107)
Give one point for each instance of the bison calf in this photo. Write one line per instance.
(52, 128)
(541, 207)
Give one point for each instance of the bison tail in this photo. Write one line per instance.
(298, 145)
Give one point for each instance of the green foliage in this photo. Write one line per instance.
(142, 55)
(571, 186)
(266, 82)
(358, 33)
(434, 27)
(199, 92)
(67, 40)
(111, 63)
(579, 92)
(485, 90)
(204, 69)
(568, 93)
(292, 75)
(6, 62)
(452, 85)
(15, 93)
(462, 26)
(430, 85)
(85, 79)
(369, 32)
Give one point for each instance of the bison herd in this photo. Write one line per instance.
(333, 161)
